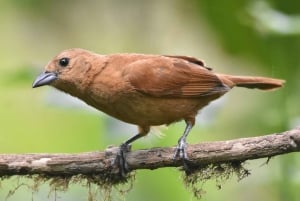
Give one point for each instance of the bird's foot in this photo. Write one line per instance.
(180, 150)
(120, 160)
(182, 154)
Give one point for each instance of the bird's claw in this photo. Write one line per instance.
(181, 151)
(120, 160)
(182, 154)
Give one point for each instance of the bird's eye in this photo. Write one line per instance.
(64, 62)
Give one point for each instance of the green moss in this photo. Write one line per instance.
(102, 186)
(196, 177)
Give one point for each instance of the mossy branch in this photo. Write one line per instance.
(97, 163)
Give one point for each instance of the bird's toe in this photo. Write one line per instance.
(120, 160)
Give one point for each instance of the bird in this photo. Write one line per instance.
(144, 89)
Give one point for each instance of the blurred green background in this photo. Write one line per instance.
(255, 37)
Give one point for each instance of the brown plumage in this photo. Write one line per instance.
(145, 90)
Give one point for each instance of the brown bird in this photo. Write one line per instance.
(145, 90)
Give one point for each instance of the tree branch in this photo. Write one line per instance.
(93, 163)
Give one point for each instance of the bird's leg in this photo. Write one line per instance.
(121, 155)
(181, 146)
(126, 147)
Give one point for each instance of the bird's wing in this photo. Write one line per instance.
(173, 77)
(190, 59)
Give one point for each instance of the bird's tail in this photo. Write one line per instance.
(263, 83)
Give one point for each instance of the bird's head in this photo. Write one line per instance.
(67, 70)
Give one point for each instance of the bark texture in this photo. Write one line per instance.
(94, 163)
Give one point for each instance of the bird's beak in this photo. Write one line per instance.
(44, 78)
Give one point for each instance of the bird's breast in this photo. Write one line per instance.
(139, 109)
